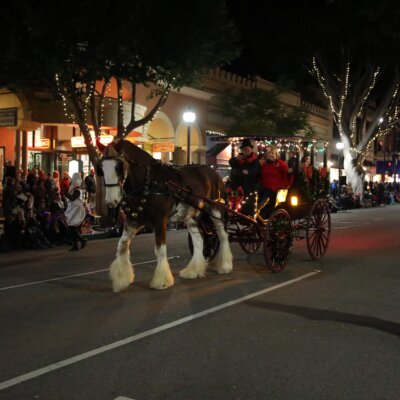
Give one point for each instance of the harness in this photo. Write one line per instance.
(133, 203)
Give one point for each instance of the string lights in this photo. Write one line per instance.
(347, 133)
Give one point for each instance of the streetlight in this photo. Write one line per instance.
(188, 117)
(339, 146)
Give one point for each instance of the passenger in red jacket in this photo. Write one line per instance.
(274, 176)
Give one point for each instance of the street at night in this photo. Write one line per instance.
(200, 200)
(326, 329)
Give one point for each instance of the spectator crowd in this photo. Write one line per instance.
(375, 194)
(34, 209)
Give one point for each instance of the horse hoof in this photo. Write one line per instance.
(161, 286)
(185, 274)
(119, 288)
(224, 270)
(163, 283)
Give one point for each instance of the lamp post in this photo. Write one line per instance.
(339, 146)
(188, 117)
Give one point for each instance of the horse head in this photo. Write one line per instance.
(111, 167)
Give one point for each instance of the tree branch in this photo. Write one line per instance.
(100, 111)
(133, 99)
(379, 112)
(82, 123)
(120, 105)
(93, 112)
(161, 101)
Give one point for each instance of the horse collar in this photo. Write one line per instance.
(143, 197)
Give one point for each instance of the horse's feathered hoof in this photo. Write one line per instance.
(121, 274)
(118, 287)
(164, 283)
(224, 270)
(191, 274)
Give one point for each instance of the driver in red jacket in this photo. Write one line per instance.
(274, 176)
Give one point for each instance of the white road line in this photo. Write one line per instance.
(123, 398)
(134, 338)
(350, 226)
(72, 276)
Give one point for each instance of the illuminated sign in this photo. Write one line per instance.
(79, 141)
(40, 143)
(166, 147)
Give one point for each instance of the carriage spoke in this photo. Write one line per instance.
(318, 229)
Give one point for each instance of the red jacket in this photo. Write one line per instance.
(274, 175)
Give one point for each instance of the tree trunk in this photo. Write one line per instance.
(352, 174)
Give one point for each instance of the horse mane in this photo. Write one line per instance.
(133, 154)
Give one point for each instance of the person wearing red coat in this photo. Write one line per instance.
(274, 176)
(64, 185)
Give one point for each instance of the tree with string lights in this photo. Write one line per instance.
(349, 94)
(354, 45)
(77, 48)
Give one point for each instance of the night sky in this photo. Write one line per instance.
(279, 38)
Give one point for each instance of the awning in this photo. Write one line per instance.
(217, 148)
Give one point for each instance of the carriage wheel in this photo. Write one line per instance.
(278, 240)
(250, 240)
(318, 229)
(210, 238)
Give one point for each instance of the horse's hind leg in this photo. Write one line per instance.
(162, 278)
(198, 264)
(224, 257)
(121, 269)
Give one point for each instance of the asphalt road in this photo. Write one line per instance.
(325, 329)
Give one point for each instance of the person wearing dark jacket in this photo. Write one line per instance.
(246, 169)
(90, 183)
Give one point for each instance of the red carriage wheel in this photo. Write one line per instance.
(250, 240)
(278, 240)
(318, 229)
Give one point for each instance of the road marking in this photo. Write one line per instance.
(73, 276)
(84, 356)
(123, 398)
(350, 226)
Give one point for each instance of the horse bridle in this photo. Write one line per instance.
(118, 167)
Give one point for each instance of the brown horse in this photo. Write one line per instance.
(142, 186)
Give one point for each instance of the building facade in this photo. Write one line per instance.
(35, 132)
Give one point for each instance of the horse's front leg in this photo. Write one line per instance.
(121, 269)
(224, 259)
(198, 264)
(162, 278)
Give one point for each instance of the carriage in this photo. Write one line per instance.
(152, 193)
(300, 213)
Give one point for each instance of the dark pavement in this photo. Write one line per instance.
(332, 334)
